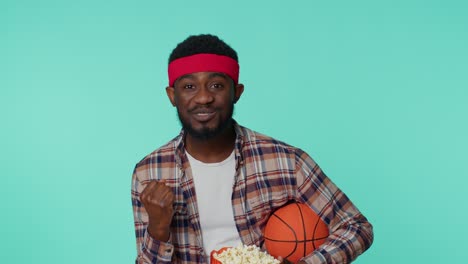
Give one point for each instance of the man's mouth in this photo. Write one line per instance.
(203, 116)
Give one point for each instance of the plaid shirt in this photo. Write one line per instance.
(269, 173)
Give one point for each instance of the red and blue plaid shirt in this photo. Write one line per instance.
(269, 173)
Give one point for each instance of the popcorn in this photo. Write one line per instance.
(243, 254)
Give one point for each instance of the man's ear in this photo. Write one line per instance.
(239, 89)
(170, 94)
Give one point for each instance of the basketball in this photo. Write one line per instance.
(294, 231)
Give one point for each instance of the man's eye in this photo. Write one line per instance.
(188, 86)
(217, 86)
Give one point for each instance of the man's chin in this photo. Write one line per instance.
(204, 133)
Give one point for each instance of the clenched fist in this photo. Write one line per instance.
(158, 200)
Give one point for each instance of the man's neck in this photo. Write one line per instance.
(212, 150)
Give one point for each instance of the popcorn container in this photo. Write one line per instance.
(213, 260)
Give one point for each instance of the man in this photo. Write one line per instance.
(216, 183)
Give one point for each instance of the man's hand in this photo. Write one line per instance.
(285, 261)
(158, 200)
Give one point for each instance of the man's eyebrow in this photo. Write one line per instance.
(218, 74)
(186, 76)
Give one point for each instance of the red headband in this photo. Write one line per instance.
(203, 62)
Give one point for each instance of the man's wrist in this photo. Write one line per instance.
(161, 234)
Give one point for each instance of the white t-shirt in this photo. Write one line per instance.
(213, 187)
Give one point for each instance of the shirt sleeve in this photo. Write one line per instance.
(350, 232)
(149, 250)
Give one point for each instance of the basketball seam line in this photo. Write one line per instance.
(307, 240)
(303, 228)
(295, 237)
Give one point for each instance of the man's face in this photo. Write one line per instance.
(205, 102)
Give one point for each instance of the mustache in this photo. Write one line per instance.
(201, 109)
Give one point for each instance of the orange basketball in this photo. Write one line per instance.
(294, 231)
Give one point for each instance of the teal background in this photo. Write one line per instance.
(375, 91)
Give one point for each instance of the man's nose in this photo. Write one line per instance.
(204, 96)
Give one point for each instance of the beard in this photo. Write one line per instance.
(206, 132)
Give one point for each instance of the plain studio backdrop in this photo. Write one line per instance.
(374, 91)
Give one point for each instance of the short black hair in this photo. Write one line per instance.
(203, 43)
